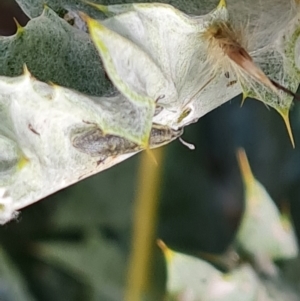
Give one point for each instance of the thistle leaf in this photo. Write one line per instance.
(137, 48)
(263, 231)
(53, 137)
(55, 52)
(198, 67)
(33, 8)
(193, 279)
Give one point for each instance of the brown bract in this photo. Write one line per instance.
(227, 50)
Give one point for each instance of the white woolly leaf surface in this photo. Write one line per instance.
(173, 40)
(263, 232)
(166, 62)
(38, 122)
(193, 279)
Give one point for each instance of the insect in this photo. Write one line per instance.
(231, 83)
(95, 143)
(30, 127)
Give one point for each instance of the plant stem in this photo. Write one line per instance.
(144, 224)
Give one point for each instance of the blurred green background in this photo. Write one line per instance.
(77, 243)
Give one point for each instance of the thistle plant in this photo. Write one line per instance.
(84, 86)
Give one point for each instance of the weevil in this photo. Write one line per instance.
(95, 143)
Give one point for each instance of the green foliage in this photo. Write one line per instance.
(13, 286)
(261, 235)
(33, 8)
(92, 261)
(54, 52)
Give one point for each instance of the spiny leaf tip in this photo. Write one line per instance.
(101, 7)
(26, 72)
(244, 166)
(167, 252)
(285, 116)
(20, 29)
(222, 4)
